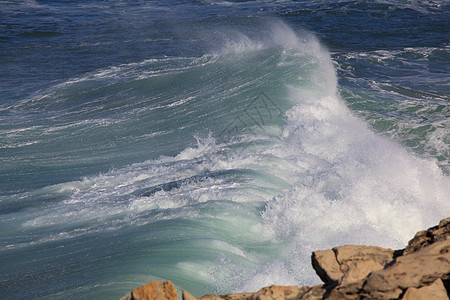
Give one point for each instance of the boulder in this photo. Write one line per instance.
(273, 292)
(350, 263)
(326, 266)
(154, 290)
(420, 271)
(346, 255)
(185, 295)
(314, 293)
(358, 270)
(416, 270)
(427, 237)
(434, 291)
(128, 296)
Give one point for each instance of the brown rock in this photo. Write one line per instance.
(155, 290)
(414, 270)
(211, 297)
(383, 295)
(333, 265)
(238, 296)
(186, 296)
(358, 270)
(434, 291)
(348, 291)
(326, 266)
(427, 237)
(421, 271)
(273, 292)
(346, 255)
(128, 296)
(280, 292)
(316, 292)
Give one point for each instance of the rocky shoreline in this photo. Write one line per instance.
(420, 271)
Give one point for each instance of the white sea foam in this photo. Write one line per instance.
(352, 185)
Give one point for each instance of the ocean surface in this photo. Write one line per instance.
(215, 144)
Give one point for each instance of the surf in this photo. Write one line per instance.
(221, 172)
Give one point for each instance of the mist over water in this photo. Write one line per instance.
(222, 162)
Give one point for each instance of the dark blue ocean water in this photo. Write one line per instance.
(214, 143)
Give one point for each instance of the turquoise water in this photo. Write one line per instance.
(212, 143)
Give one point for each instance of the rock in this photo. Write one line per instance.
(414, 270)
(349, 263)
(421, 271)
(384, 295)
(346, 255)
(186, 296)
(434, 291)
(276, 292)
(358, 270)
(348, 291)
(273, 292)
(128, 296)
(211, 297)
(427, 237)
(314, 293)
(154, 290)
(326, 266)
